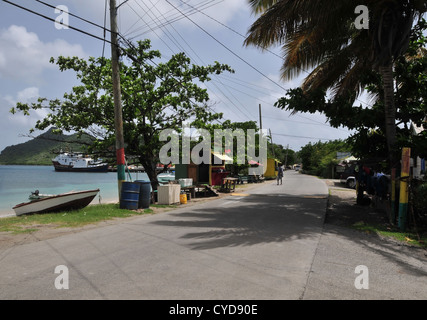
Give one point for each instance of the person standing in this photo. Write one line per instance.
(279, 174)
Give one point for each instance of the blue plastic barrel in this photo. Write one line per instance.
(144, 194)
(129, 195)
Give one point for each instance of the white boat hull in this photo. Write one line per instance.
(64, 201)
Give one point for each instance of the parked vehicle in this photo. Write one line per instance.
(348, 177)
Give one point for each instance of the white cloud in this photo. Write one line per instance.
(27, 95)
(24, 56)
(13, 126)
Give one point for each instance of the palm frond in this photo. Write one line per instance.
(259, 6)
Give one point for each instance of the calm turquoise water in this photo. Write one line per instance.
(17, 183)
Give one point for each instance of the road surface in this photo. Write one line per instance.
(267, 242)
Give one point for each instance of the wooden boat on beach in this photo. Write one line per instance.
(72, 200)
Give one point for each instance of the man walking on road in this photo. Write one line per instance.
(279, 174)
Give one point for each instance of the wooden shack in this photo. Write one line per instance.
(204, 173)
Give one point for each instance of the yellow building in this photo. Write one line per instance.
(271, 172)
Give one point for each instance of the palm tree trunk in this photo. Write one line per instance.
(389, 110)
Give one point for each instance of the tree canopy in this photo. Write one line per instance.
(320, 158)
(410, 74)
(322, 39)
(155, 96)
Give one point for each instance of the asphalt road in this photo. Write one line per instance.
(268, 243)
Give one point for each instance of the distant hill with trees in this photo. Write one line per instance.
(41, 149)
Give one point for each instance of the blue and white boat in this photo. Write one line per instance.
(76, 162)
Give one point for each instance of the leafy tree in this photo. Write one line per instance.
(322, 36)
(230, 128)
(284, 155)
(320, 158)
(370, 140)
(155, 96)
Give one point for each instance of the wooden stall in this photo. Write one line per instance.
(211, 174)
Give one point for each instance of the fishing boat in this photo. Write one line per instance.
(76, 162)
(72, 200)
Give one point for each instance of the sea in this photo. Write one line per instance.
(17, 183)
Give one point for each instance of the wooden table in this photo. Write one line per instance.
(191, 190)
(228, 184)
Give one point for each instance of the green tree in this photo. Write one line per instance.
(410, 74)
(279, 152)
(239, 145)
(320, 158)
(155, 96)
(322, 36)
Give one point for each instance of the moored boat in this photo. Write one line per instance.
(72, 200)
(76, 162)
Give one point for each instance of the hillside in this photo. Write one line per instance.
(41, 149)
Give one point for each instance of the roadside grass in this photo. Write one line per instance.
(409, 237)
(89, 215)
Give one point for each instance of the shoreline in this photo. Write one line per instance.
(44, 232)
(8, 213)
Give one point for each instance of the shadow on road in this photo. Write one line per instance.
(343, 213)
(279, 218)
(250, 220)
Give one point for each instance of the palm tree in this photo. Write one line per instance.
(320, 35)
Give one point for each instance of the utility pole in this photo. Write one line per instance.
(260, 118)
(286, 158)
(272, 145)
(118, 116)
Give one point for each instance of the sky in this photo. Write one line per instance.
(206, 30)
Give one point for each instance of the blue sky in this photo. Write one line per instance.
(28, 41)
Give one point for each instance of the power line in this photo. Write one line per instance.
(228, 49)
(228, 27)
(89, 34)
(76, 16)
(169, 36)
(53, 20)
(302, 137)
(127, 41)
(131, 45)
(196, 9)
(302, 122)
(266, 49)
(176, 16)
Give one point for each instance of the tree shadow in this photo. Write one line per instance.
(342, 215)
(277, 218)
(246, 221)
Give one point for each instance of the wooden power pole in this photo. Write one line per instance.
(118, 116)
